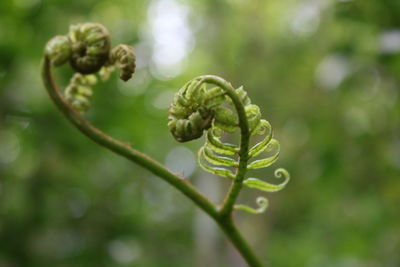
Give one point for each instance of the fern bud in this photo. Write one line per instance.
(79, 91)
(124, 58)
(189, 114)
(58, 49)
(90, 47)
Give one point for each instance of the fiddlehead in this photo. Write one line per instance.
(87, 47)
(79, 91)
(90, 44)
(59, 51)
(197, 108)
(124, 58)
(192, 110)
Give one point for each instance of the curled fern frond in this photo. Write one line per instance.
(124, 58)
(193, 110)
(220, 171)
(91, 46)
(263, 163)
(59, 50)
(262, 204)
(87, 47)
(214, 142)
(197, 108)
(79, 91)
(268, 187)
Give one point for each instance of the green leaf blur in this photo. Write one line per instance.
(324, 73)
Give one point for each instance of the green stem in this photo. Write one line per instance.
(121, 148)
(228, 227)
(236, 185)
(125, 150)
(225, 212)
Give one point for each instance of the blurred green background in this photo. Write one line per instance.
(325, 74)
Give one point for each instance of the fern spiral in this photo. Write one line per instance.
(193, 110)
(87, 48)
(197, 108)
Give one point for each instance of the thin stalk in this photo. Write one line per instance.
(121, 148)
(226, 222)
(236, 185)
(229, 228)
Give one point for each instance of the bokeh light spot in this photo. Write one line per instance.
(181, 160)
(10, 146)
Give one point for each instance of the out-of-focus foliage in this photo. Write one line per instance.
(325, 73)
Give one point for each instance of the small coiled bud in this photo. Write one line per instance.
(124, 58)
(90, 47)
(190, 113)
(87, 47)
(58, 49)
(79, 91)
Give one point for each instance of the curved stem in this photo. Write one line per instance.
(229, 201)
(125, 150)
(225, 212)
(228, 227)
(235, 237)
(121, 148)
